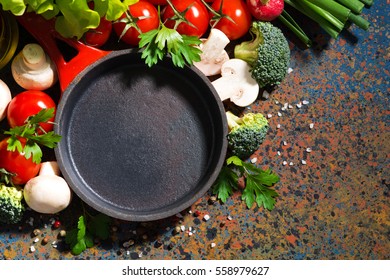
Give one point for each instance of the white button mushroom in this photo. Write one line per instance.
(5, 98)
(213, 53)
(47, 193)
(236, 83)
(32, 68)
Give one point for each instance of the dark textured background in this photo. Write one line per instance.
(336, 206)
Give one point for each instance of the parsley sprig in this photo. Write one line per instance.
(158, 43)
(258, 183)
(34, 136)
(88, 228)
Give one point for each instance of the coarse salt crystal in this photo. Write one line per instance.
(289, 70)
(311, 125)
(32, 249)
(182, 228)
(265, 95)
(305, 102)
(283, 109)
(213, 245)
(229, 218)
(284, 162)
(279, 114)
(190, 233)
(284, 143)
(276, 102)
(269, 116)
(303, 162)
(299, 105)
(278, 125)
(279, 153)
(308, 150)
(254, 160)
(291, 163)
(290, 106)
(206, 217)
(36, 240)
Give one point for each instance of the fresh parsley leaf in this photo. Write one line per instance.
(81, 238)
(257, 189)
(162, 41)
(258, 183)
(225, 184)
(33, 136)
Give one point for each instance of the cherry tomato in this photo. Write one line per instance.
(238, 11)
(141, 15)
(197, 15)
(29, 103)
(158, 2)
(99, 36)
(15, 162)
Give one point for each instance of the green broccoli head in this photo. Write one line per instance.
(11, 205)
(268, 54)
(246, 133)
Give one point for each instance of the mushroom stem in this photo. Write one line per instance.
(213, 53)
(214, 47)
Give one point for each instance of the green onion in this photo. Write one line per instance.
(354, 5)
(331, 15)
(367, 2)
(359, 21)
(288, 21)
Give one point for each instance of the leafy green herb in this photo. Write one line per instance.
(81, 238)
(258, 183)
(73, 18)
(157, 43)
(34, 140)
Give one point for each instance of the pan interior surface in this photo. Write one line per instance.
(140, 143)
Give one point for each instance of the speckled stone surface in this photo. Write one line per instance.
(334, 197)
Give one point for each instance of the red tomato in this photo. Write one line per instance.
(197, 15)
(158, 2)
(29, 103)
(238, 11)
(15, 162)
(143, 16)
(99, 36)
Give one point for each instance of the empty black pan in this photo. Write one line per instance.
(138, 143)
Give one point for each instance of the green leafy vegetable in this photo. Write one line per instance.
(73, 18)
(258, 183)
(81, 238)
(29, 132)
(157, 43)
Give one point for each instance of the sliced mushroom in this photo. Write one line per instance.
(213, 53)
(236, 83)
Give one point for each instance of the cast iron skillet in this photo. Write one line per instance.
(138, 143)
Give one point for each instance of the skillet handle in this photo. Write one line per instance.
(44, 32)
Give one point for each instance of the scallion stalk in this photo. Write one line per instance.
(289, 21)
(367, 2)
(354, 5)
(334, 8)
(359, 21)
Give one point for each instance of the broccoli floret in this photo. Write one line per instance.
(246, 133)
(11, 205)
(268, 54)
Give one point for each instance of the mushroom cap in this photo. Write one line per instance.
(47, 194)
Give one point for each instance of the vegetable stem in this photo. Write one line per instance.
(355, 6)
(359, 21)
(288, 21)
(367, 2)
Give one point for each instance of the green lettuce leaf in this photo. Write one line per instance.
(76, 18)
(17, 7)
